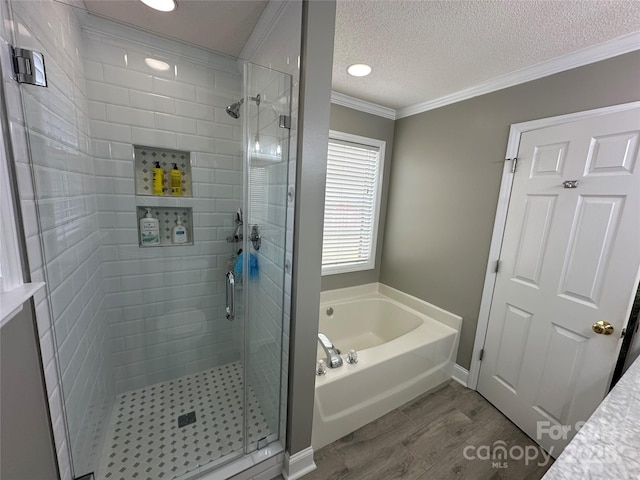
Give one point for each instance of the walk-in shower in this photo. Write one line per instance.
(147, 376)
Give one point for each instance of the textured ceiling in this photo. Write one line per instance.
(420, 50)
(220, 25)
(423, 50)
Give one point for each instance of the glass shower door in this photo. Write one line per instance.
(266, 179)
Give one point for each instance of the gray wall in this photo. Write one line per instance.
(445, 177)
(347, 120)
(26, 445)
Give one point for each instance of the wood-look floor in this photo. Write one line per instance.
(425, 439)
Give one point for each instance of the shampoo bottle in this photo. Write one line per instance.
(176, 181)
(158, 179)
(179, 233)
(149, 230)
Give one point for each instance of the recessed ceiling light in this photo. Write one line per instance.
(157, 64)
(359, 70)
(161, 5)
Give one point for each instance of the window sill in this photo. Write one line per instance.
(339, 270)
(11, 302)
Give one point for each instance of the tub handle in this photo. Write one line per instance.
(231, 296)
(321, 368)
(352, 357)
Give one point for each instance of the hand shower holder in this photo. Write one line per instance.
(237, 233)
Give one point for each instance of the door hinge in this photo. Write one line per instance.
(28, 67)
(496, 269)
(514, 165)
(481, 354)
(285, 121)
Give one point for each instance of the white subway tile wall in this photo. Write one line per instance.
(64, 187)
(165, 305)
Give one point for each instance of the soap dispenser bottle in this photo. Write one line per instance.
(176, 181)
(179, 233)
(158, 179)
(149, 230)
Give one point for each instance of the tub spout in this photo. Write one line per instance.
(333, 357)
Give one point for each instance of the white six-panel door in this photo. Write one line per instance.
(570, 258)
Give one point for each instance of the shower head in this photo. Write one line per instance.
(233, 110)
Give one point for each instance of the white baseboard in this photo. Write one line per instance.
(460, 375)
(299, 464)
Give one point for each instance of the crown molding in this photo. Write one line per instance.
(602, 51)
(362, 105)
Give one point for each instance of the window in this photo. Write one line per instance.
(352, 203)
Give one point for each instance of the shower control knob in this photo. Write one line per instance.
(321, 367)
(352, 356)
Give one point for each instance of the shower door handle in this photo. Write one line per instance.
(231, 296)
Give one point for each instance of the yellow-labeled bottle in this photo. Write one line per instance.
(158, 179)
(176, 181)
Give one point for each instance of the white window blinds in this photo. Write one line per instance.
(354, 171)
(258, 194)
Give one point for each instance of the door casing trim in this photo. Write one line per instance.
(513, 145)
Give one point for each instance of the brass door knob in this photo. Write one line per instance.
(602, 327)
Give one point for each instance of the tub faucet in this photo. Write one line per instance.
(333, 354)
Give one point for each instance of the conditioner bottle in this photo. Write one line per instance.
(176, 181)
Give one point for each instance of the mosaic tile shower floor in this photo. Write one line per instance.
(144, 440)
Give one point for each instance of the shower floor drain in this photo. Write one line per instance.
(144, 440)
(186, 419)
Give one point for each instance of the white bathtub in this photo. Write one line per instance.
(405, 347)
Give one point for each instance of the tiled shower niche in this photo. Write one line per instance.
(167, 218)
(145, 158)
